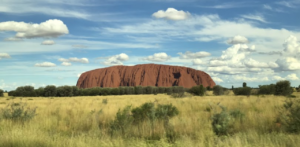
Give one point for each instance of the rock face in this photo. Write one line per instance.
(144, 75)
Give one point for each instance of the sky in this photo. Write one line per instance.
(51, 42)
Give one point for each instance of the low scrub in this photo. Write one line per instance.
(18, 112)
(242, 91)
(218, 90)
(289, 116)
(197, 90)
(1, 93)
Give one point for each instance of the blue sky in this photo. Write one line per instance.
(53, 41)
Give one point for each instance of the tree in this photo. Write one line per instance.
(218, 90)
(39, 92)
(50, 91)
(197, 90)
(64, 91)
(25, 91)
(138, 89)
(1, 93)
(242, 91)
(75, 90)
(283, 88)
(244, 84)
(115, 91)
(266, 89)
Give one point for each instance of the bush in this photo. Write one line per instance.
(1, 93)
(75, 90)
(218, 90)
(11, 93)
(105, 91)
(148, 90)
(244, 84)
(242, 91)
(144, 112)
(266, 89)
(115, 91)
(18, 112)
(161, 89)
(130, 90)
(283, 88)
(50, 91)
(122, 90)
(221, 122)
(163, 111)
(289, 116)
(122, 121)
(197, 90)
(168, 90)
(64, 91)
(39, 92)
(138, 90)
(25, 91)
(94, 91)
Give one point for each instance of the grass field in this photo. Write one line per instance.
(84, 122)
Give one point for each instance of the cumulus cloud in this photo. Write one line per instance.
(232, 70)
(271, 53)
(238, 40)
(244, 78)
(45, 64)
(48, 42)
(197, 62)
(288, 77)
(256, 64)
(217, 79)
(288, 64)
(116, 59)
(158, 57)
(291, 45)
(4, 55)
(49, 29)
(74, 59)
(190, 55)
(171, 14)
(78, 75)
(66, 64)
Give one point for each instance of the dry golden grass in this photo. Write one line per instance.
(84, 122)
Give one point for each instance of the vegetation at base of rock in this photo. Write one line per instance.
(1, 93)
(197, 90)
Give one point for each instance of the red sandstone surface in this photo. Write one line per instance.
(144, 75)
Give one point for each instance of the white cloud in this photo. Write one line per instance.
(238, 40)
(268, 7)
(288, 63)
(45, 64)
(256, 17)
(4, 55)
(292, 77)
(48, 42)
(79, 46)
(291, 45)
(158, 57)
(74, 59)
(256, 64)
(244, 78)
(116, 59)
(190, 55)
(78, 75)
(197, 62)
(217, 79)
(66, 64)
(288, 77)
(49, 29)
(13, 39)
(171, 14)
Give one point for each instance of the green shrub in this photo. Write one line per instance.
(122, 121)
(266, 89)
(39, 92)
(218, 90)
(237, 114)
(50, 91)
(244, 84)
(197, 90)
(163, 111)
(12, 93)
(105, 91)
(138, 90)
(94, 91)
(283, 88)
(155, 90)
(1, 93)
(64, 91)
(161, 89)
(18, 112)
(122, 90)
(144, 112)
(169, 90)
(104, 101)
(25, 91)
(75, 90)
(221, 122)
(289, 116)
(130, 90)
(115, 91)
(242, 91)
(148, 90)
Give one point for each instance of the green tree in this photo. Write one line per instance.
(1, 93)
(283, 88)
(244, 84)
(50, 91)
(218, 90)
(197, 90)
